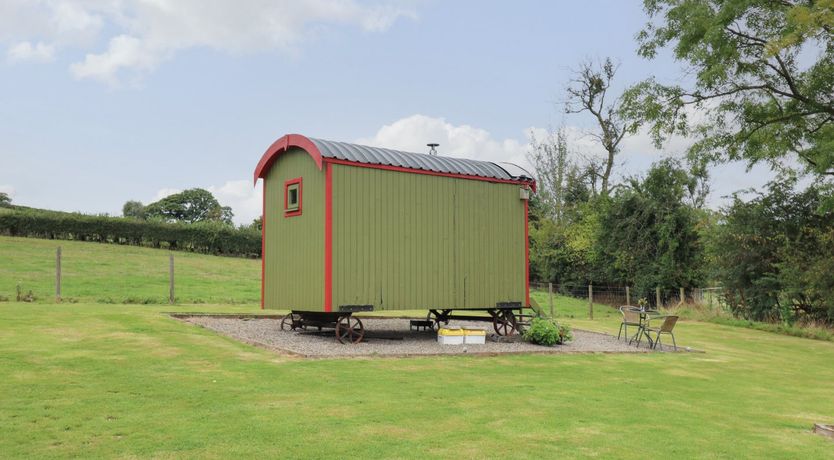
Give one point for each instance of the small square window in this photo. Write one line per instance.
(292, 197)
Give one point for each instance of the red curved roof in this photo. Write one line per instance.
(282, 145)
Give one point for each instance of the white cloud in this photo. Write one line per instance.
(25, 51)
(124, 52)
(147, 32)
(414, 132)
(244, 199)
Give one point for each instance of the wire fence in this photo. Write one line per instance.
(615, 296)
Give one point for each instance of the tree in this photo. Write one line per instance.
(5, 199)
(648, 233)
(550, 160)
(562, 183)
(763, 88)
(192, 205)
(772, 254)
(133, 209)
(589, 92)
(257, 224)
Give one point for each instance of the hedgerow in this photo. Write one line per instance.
(204, 237)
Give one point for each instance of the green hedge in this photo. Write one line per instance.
(204, 237)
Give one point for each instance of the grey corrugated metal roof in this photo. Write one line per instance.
(388, 157)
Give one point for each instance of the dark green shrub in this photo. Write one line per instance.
(547, 332)
(203, 237)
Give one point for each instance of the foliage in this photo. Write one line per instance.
(257, 224)
(133, 209)
(773, 255)
(190, 206)
(549, 157)
(547, 332)
(763, 87)
(589, 92)
(203, 237)
(648, 233)
(5, 199)
(552, 256)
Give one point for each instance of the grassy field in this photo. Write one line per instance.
(106, 273)
(89, 380)
(99, 380)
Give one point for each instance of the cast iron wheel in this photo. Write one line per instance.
(504, 322)
(349, 330)
(435, 319)
(290, 322)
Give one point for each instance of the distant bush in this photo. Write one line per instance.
(204, 237)
(547, 332)
(773, 255)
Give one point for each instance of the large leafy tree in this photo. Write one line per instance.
(772, 254)
(192, 205)
(763, 79)
(648, 233)
(5, 199)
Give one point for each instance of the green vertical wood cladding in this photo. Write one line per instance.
(403, 240)
(294, 246)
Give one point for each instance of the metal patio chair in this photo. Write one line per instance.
(665, 328)
(631, 317)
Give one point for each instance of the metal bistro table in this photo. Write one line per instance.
(645, 318)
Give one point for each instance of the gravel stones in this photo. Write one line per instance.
(390, 337)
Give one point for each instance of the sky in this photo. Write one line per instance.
(104, 101)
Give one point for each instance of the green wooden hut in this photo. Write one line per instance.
(349, 227)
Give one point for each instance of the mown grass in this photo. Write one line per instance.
(92, 381)
(106, 273)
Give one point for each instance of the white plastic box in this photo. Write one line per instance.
(450, 336)
(474, 335)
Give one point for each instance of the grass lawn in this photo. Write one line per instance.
(95, 272)
(92, 380)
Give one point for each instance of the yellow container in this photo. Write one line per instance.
(450, 336)
(450, 331)
(474, 331)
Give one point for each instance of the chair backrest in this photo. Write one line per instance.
(630, 314)
(668, 324)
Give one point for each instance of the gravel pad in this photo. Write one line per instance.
(382, 339)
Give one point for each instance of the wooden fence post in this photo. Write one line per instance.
(657, 297)
(550, 290)
(628, 296)
(591, 301)
(58, 274)
(682, 297)
(171, 276)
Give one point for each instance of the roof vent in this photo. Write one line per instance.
(432, 148)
